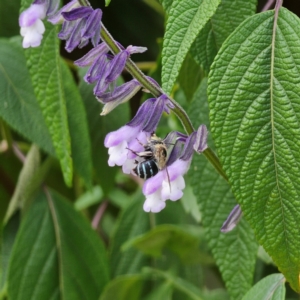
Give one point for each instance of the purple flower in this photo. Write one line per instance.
(169, 183)
(232, 220)
(81, 25)
(129, 139)
(119, 95)
(30, 21)
(32, 27)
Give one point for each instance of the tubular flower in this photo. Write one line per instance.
(30, 21)
(81, 25)
(169, 183)
(104, 70)
(124, 143)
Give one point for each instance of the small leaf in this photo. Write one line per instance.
(167, 236)
(254, 92)
(89, 198)
(18, 104)
(186, 19)
(55, 245)
(124, 287)
(234, 252)
(8, 235)
(228, 16)
(107, 2)
(269, 288)
(25, 185)
(46, 74)
(131, 223)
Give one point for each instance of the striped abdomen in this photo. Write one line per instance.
(146, 169)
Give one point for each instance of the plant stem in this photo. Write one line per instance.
(156, 91)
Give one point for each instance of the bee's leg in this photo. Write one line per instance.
(141, 143)
(136, 153)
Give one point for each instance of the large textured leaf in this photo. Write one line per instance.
(228, 16)
(131, 223)
(78, 125)
(234, 252)
(186, 19)
(18, 105)
(269, 288)
(55, 246)
(46, 74)
(254, 92)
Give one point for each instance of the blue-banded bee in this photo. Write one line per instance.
(155, 158)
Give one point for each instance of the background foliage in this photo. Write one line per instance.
(74, 228)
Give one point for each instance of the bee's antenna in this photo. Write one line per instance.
(168, 178)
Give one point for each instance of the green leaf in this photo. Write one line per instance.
(107, 2)
(9, 232)
(131, 223)
(99, 126)
(89, 198)
(228, 16)
(78, 125)
(124, 287)
(47, 76)
(190, 77)
(56, 254)
(18, 104)
(234, 252)
(269, 288)
(9, 14)
(163, 292)
(254, 92)
(167, 236)
(24, 188)
(186, 19)
(182, 285)
(166, 5)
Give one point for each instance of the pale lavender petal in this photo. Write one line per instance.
(201, 139)
(29, 16)
(117, 154)
(128, 166)
(178, 168)
(154, 183)
(173, 190)
(89, 58)
(232, 220)
(135, 49)
(125, 133)
(154, 203)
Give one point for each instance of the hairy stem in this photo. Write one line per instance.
(156, 91)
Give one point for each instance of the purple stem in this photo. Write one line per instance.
(99, 213)
(268, 5)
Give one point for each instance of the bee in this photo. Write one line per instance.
(155, 158)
